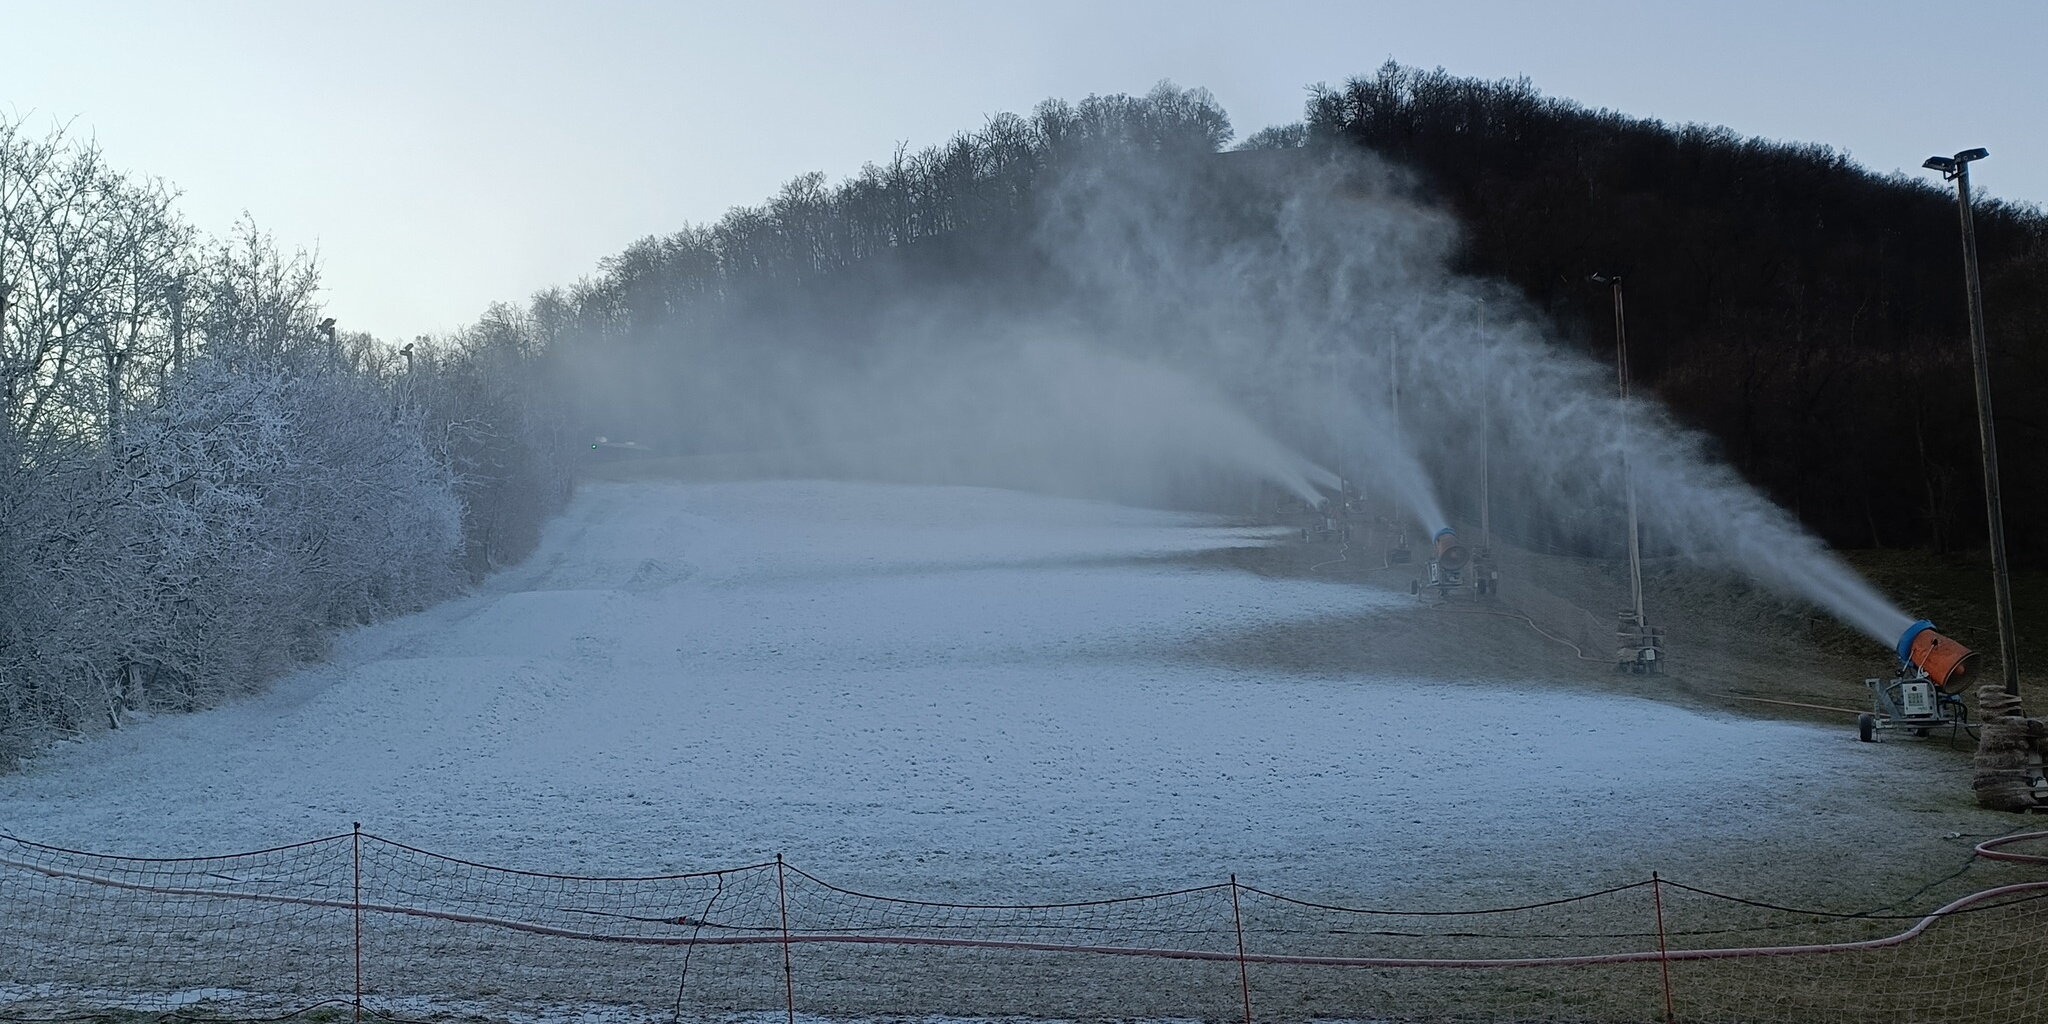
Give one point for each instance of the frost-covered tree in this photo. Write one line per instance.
(490, 406)
(198, 483)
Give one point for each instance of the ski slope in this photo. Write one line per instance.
(953, 692)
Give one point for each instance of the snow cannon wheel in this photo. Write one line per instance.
(1866, 727)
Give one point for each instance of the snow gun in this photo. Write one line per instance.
(1447, 568)
(1451, 556)
(1923, 697)
(1945, 663)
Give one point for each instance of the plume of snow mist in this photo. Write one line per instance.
(962, 402)
(1179, 326)
(1083, 405)
(1561, 437)
(1315, 289)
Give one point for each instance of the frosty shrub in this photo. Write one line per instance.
(237, 526)
(201, 478)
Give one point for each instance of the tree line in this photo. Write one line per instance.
(1805, 313)
(201, 476)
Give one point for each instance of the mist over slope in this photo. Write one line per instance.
(1184, 328)
(1801, 311)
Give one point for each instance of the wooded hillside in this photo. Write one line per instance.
(1804, 311)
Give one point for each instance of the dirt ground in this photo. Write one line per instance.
(1727, 638)
(1732, 648)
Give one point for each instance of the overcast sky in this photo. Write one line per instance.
(443, 155)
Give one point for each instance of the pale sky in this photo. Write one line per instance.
(442, 155)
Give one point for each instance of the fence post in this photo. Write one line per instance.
(357, 836)
(788, 976)
(1663, 951)
(1244, 978)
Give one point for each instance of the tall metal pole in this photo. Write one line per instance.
(1485, 454)
(1628, 483)
(1394, 406)
(1394, 376)
(2008, 647)
(6, 380)
(177, 326)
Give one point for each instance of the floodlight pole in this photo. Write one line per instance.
(1485, 452)
(1957, 169)
(1394, 376)
(177, 326)
(1628, 483)
(6, 381)
(404, 388)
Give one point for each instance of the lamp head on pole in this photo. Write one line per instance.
(1952, 167)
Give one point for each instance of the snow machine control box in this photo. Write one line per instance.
(1916, 700)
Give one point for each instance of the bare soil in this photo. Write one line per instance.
(1733, 648)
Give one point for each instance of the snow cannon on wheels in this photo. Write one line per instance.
(1397, 549)
(1926, 692)
(1330, 525)
(1638, 646)
(1485, 573)
(1349, 500)
(1447, 564)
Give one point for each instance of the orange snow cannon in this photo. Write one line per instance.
(1450, 554)
(1949, 665)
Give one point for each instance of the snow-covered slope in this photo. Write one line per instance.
(941, 691)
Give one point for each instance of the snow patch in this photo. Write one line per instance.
(939, 692)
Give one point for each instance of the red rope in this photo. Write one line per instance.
(2032, 890)
(1990, 849)
(4, 837)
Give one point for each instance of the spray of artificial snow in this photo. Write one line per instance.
(1316, 291)
(1185, 329)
